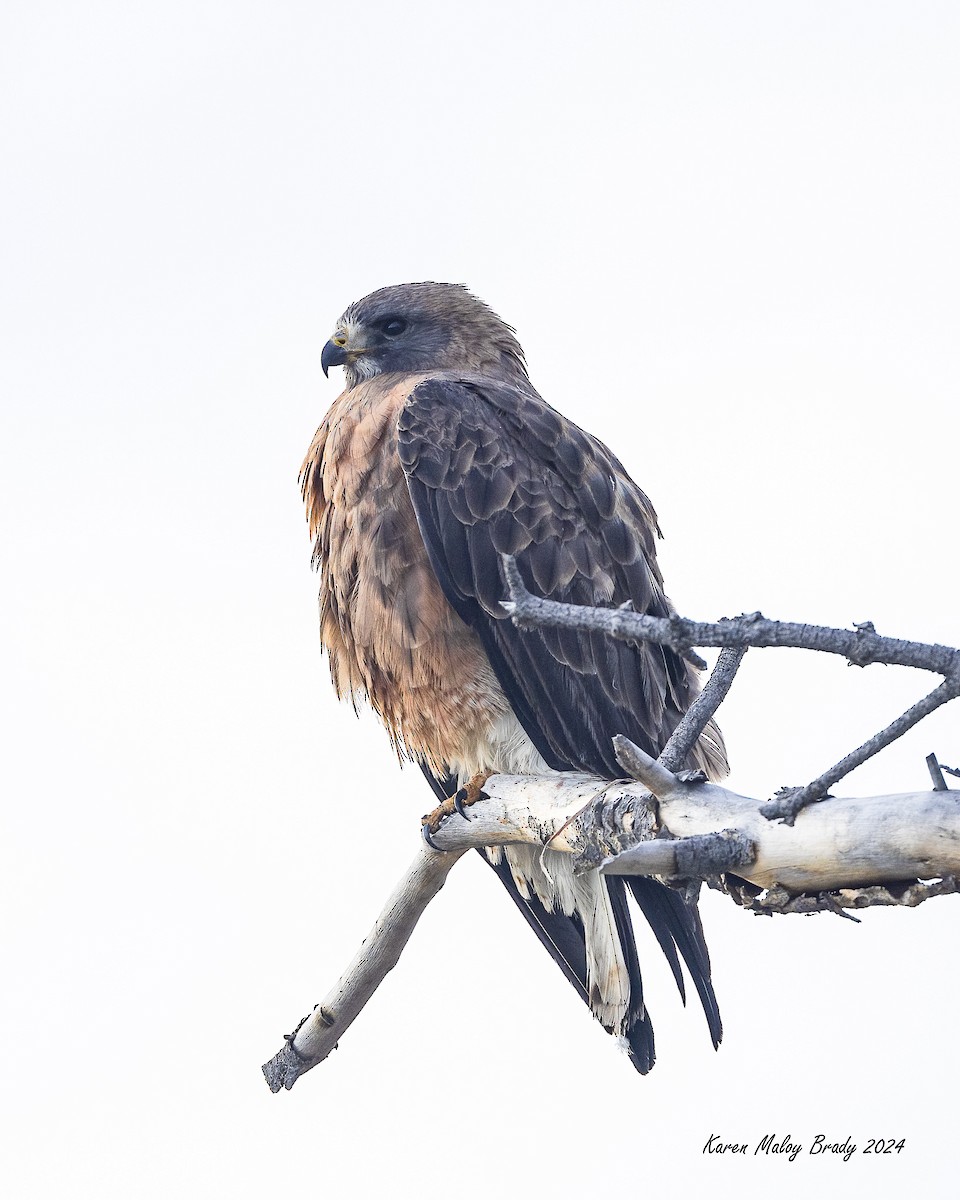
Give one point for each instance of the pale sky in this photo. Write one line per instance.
(727, 234)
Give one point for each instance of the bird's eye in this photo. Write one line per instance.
(392, 326)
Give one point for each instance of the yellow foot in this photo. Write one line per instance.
(469, 794)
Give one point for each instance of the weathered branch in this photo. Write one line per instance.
(318, 1033)
(846, 854)
(860, 646)
(694, 720)
(779, 900)
(789, 803)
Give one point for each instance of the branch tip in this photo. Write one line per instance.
(660, 780)
(936, 773)
(701, 856)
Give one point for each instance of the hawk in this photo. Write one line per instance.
(438, 456)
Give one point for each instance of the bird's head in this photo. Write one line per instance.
(414, 327)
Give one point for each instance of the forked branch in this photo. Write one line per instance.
(860, 646)
(666, 826)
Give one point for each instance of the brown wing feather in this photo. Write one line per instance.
(492, 468)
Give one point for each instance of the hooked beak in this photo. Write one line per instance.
(334, 355)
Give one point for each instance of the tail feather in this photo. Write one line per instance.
(674, 920)
(638, 1028)
(565, 940)
(612, 989)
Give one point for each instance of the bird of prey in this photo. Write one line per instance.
(437, 457)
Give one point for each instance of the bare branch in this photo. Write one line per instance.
(698, 857)
(789, 803)
(318, 1033)
(860, 646)
(904, 895)
(652, 773)
(694, 720)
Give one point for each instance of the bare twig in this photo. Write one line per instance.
(788, 804)
(694, 720)
(936, 773)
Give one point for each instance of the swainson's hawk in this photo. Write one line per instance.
(438, 456)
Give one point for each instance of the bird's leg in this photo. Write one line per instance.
(470, 793)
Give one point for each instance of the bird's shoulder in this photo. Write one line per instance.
(498, 445)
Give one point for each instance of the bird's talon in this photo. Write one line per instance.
(471, 792)
(425, 831)
(459, 803)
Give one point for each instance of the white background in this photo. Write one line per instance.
(727, 234)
